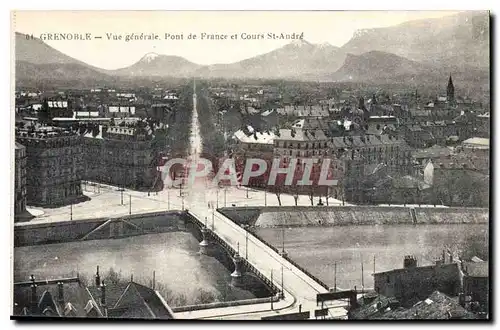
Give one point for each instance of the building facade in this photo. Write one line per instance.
(20, 181)
(54, 165)
(120, 156)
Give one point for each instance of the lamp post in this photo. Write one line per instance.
(71, 212)
(217, 195)
(283, 253)
(272, 297)
(246, 243)
(121, 195)
(129, 204)
(335, 277)
(282, 285)
(213, 220)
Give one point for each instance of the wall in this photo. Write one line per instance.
(452, 215)
(65, 231)
(410, 285)
(351, 215)
(222, 304)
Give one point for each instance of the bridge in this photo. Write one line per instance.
(294, 291)
(299, 290)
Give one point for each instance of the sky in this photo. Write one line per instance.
(333, 27)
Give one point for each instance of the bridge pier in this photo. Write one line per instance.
(204, 244)
(236, 275)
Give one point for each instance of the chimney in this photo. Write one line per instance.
(60, 293)
(103, 294)
(409, 262)
(97, 278)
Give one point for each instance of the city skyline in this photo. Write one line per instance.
(316, 27)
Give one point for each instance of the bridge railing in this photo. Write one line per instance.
(229, 250)
(223, 304)
(305, 271)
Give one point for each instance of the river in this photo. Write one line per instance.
(180, 271)
(318, 249)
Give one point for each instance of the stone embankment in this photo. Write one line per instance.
(353, 215)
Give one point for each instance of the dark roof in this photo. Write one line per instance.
(19, 146)
(137, 295)
(74, 294)
(432, 152)
(371, 305)
(414, 269)
(133, 300)
(437, 306)
(113, 292)
(476, 269)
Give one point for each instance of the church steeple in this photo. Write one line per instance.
(450, 90)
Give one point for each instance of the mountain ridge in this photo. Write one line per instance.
(369, 53)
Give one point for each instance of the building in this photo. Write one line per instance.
(460, 181)
(54, 165)
(413, 283)
(478, 146)
(304, 111)
(476, 283)
(301, 144)
(20, 182)
(375, 149)
(450, 91)
(120, 155)
(435, 152)
(437, 306)
(70, 297)
(483, 125)
(251, 144)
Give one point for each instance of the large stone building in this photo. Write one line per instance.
(53, 166)
(252, 144)
(120, 155)
(20, 182)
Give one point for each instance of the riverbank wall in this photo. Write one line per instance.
(302, 216)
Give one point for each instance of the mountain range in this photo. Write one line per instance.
(416, 49)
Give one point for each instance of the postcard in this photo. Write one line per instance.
(251, 165)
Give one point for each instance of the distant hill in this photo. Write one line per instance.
(415, 51)
(36, 51)
(37, 62)
(153, 64)
(293, 60)
(376, 65)
(35, 74)
(461, 40)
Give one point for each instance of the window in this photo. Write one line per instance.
(388, 280)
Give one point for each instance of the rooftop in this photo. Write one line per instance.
(432, 152)
(255, 137)
(476, 269)
(437, 306)
(301, 135)
(477, 142)
(19, 146)
(38, 131)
